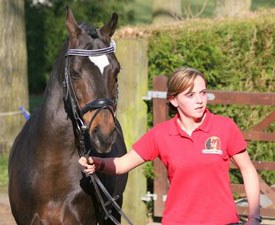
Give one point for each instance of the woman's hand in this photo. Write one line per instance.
(87, 165)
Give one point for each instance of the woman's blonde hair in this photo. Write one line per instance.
(181, 80)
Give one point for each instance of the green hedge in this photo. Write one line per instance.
(234, 55)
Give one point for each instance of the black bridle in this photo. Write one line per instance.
(81, 129)
(71, 103)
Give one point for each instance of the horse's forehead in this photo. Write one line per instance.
(91, 39)
(100, 61)
(103, 60)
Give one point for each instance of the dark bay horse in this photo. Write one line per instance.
(77, 117)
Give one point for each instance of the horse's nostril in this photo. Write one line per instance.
(95, 130)
(103, 135)
(103, 139)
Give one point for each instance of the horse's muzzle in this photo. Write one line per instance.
(102, 131)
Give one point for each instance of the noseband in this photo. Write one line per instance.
(71, 104)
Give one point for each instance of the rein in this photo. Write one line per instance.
(108, 213)
(76, 114)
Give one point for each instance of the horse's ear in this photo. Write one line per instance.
(109, 28)
(73, 29)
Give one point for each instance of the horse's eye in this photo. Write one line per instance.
(74, 75)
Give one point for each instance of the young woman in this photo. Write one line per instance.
(196, 147)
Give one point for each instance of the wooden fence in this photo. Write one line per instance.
(160, 113)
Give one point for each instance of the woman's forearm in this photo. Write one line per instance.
(252, 189)
(251, 183)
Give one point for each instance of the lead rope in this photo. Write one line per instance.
(111, 200)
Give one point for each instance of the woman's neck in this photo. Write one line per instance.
(189, 124)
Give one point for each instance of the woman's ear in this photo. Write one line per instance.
(174, 102)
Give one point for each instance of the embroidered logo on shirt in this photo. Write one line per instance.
(213, 146)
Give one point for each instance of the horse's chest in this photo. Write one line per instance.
(74, 208)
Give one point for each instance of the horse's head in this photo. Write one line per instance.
(90, 81)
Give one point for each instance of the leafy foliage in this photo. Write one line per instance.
(225, 52)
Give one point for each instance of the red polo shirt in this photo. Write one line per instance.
(198, 169)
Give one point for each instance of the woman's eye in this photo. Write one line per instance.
(190, 95)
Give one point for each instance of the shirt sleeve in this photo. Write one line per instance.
(236, 140)
(147, 146)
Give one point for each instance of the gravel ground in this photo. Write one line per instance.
(6, 217)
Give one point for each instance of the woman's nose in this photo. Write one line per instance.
(198, 98)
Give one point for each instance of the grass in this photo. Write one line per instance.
(3, 171)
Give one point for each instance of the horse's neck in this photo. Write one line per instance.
(53, 106)
(54, 123)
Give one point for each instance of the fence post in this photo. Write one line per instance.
(132, 114)
(160, 113)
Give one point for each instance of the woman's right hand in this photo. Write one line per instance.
(87, 164)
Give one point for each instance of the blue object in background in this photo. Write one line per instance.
(25, 113)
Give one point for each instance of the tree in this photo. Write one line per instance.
(13, 73)
(166, 11)
(232, 8)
